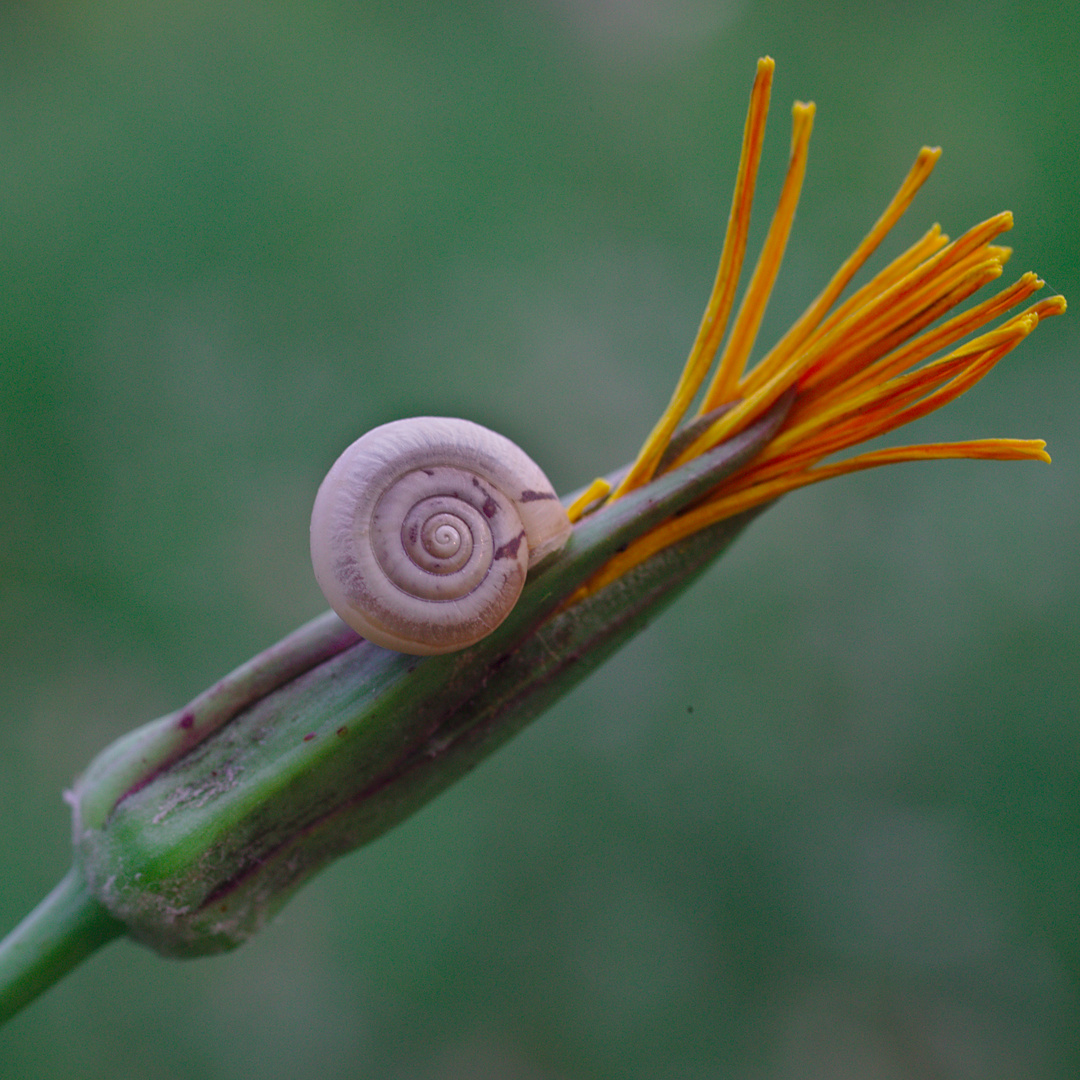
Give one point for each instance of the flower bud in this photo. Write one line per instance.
(193, 841)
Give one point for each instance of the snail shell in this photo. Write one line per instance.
(424, 529)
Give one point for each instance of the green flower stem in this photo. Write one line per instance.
(62, 931)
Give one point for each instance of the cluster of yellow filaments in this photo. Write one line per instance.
(856, 372)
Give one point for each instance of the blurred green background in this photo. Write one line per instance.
(822, 818)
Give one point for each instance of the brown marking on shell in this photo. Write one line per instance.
(534, 496)
(509, 550)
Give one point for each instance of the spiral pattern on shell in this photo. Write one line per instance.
(424, 529)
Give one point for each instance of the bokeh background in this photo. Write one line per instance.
(823, 817)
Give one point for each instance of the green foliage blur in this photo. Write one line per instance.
(821, 819)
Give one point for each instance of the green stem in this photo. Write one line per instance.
(61, 932)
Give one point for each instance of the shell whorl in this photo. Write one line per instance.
(424, 529)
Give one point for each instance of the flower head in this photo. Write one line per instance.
(851, 371)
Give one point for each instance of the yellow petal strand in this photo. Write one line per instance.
(898, 404)
(809, 321)
(973, 449)
(881, 283)
(887, 311)
(905, 312)
(714, 321)
(597, 490)
(874, 349)
(710, 513)
(1044, 309)
(920, 348)
(982, 449)
(922, 287)
(755, 495)
(752, 309)
(813, 411)
(878, 409)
